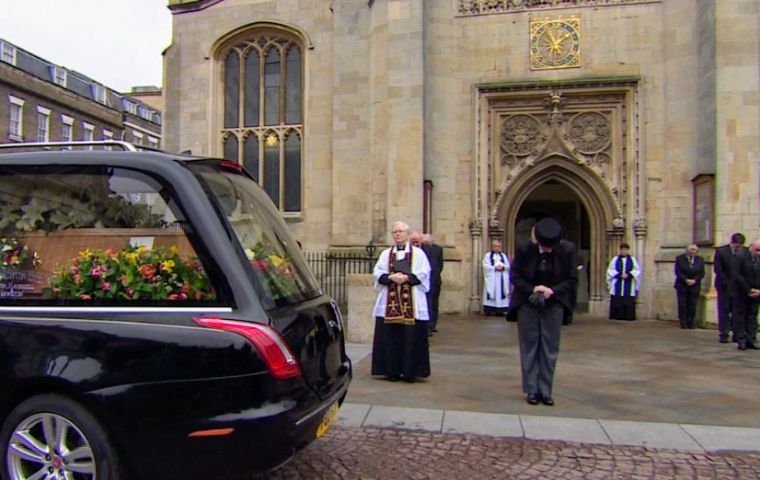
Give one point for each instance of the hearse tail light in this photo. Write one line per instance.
(280, 361)
(230, 165)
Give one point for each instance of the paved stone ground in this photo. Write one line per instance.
(387, 454)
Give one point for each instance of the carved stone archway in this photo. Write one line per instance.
(582, 135)
(598, 203)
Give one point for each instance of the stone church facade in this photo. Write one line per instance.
(628, 120)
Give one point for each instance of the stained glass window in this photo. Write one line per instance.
(263, 111)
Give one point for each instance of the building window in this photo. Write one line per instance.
(67, 128)
(145, 113)
(130, 107)
(99, 93)
(89, 133)
(153, 142)
(108, 136)
(59, 75)
(16, 119)
(263, 111)
(138, 138)
(43, 124)
(8, 54)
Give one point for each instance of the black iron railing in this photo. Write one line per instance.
(332, 269)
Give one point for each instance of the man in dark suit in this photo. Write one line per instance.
(722, 266)
(435, 257)
(746, 291)
(689, 270)
(544, 275)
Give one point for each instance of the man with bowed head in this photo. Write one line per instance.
(746, 297)
(402, 278)
(689, 271)
(544, 274)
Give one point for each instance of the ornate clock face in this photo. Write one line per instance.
(555, 44)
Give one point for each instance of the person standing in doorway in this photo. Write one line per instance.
(723, 265)
(543, 277)
(623, 275)
(495, 280)
(402, 278)
(689, 271)
(434, 253)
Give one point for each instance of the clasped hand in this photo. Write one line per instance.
(543, 290)
(398, 278)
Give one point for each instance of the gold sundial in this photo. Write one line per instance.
(555, 43)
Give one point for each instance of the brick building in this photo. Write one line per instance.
(41, 101)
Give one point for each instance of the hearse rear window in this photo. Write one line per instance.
(95, 235)
(278, 268)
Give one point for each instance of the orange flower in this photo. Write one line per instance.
(111, 252)
(147, 271)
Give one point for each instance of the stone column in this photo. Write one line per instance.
(476, 232)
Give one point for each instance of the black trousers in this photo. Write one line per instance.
(745, 319)
(432, 298)
(622, 307)
(687, 305)
(725, 321)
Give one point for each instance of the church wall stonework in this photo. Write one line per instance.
(393, 97)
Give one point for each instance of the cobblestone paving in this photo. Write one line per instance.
(388, 454)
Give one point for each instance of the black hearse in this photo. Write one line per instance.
(157, 319)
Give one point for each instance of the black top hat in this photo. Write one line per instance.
(548, 232)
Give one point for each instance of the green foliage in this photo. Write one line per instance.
(27, 207)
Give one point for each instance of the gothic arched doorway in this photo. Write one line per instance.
(562, 189)
(577, 144)
(555, 199)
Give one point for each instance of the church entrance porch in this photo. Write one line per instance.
(570, 151)
(557, 200)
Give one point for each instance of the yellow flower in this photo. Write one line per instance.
(173, 250)
(276, 261)
(86, 253)
(167, 266)
(131, 257)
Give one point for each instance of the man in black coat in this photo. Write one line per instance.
(689, 270)
(723, 264)
(435, 257)
(543, 275)
(746, 296)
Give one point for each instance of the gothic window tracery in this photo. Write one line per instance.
(263, 111)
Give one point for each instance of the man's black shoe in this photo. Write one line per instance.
(742, 346)
(548, 401)
(723, 339)
(532, 399)
(753, 346)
